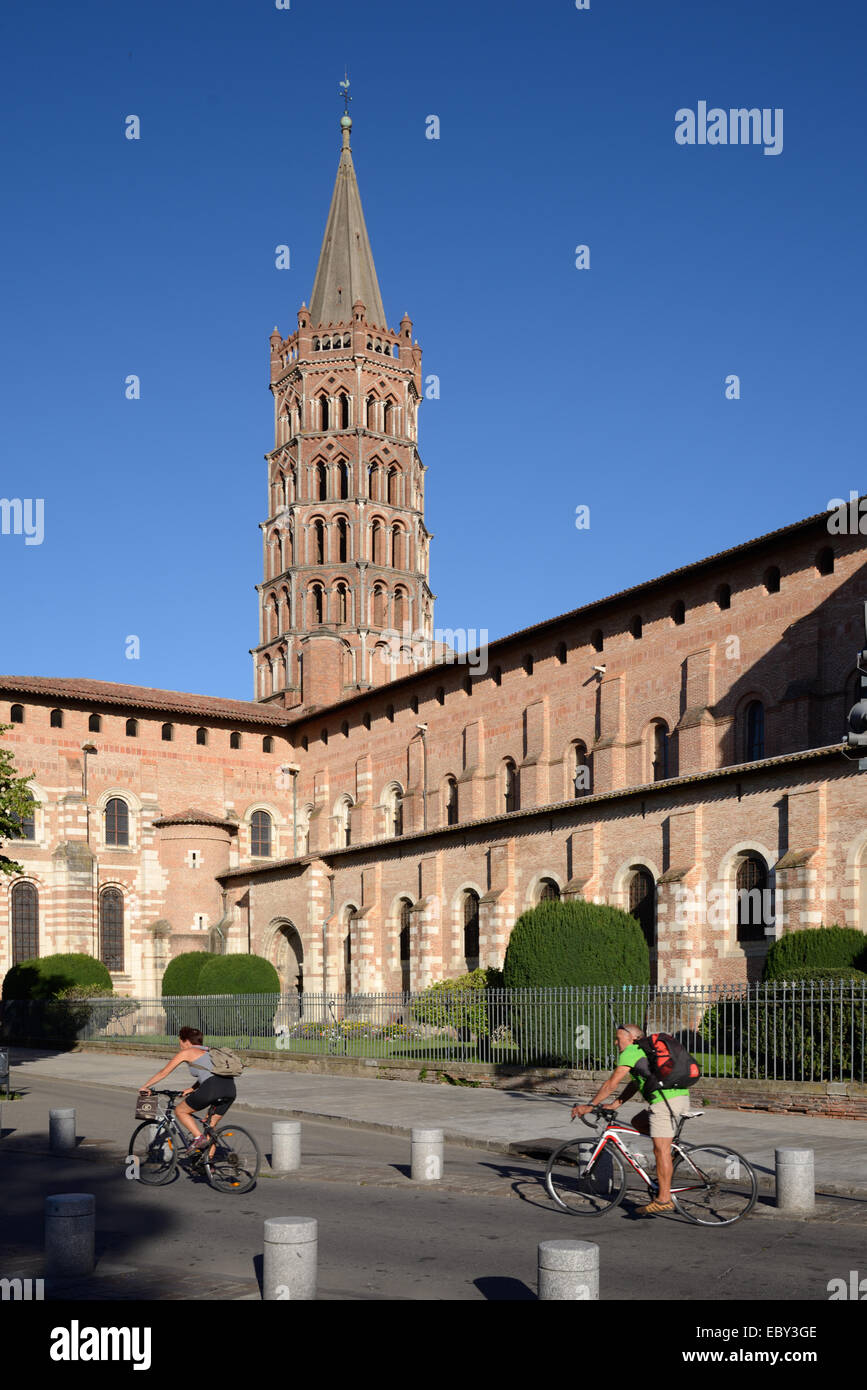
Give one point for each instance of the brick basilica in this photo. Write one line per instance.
(379, 814)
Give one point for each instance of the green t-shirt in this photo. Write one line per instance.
(628, 1058)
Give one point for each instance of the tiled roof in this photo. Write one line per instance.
(194, 817)
(144, 697)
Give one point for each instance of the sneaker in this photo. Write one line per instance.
(654, 1208)
(198, 1144)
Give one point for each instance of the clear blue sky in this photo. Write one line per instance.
(559, 387)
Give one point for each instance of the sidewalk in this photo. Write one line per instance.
(518, 1122)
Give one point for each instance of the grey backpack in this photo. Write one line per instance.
(225, 1062)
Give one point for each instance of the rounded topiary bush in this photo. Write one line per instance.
(820, 947)
(240, 975)
(45, 977)
(576, 943)
(181, 977)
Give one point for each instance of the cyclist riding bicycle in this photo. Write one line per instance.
(665, 1108)
(210, 1091)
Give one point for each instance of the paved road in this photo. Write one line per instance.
(380, 1237)
(502, 1120)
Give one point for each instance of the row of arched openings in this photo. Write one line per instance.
(24, 906)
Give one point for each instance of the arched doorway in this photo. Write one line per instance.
(288, 956)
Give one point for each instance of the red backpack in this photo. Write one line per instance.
(669, 1066)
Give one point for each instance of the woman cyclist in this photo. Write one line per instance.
(209, 1090)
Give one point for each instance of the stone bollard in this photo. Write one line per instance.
(290, 1254)
(426, 1155)
(61, 1131)
(70, 1220)
(796, 1183)
(285, 1146)
(568, 1270)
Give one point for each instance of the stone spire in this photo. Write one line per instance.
(346, 272)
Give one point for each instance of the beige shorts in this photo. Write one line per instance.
(661, 1126)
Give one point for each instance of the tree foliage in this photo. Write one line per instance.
(16, 802)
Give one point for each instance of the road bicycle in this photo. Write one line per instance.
(230, 1163)
(711, 1185)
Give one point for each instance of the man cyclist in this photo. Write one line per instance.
(658, 1120)
(217, 1092)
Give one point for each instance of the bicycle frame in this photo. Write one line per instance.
(611, 1135)
(170, 1122)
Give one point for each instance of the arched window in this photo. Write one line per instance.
(369, 417)
(597, 640)
(168, 733)
(387, 412)
(25, 922)
(392, 486)
(234, 740)
(405, 944)
(376, 543)
(16, 714)
(394, 810)
(111, 928)
(94, 724)
(267, 744)
(324, 413)
(678, 612)
(319, 542)
(344, 411)
(548, 891)
(202, 738)
(342, 540)
(349, 918)
(825, 560)
(642, 903)
(398, 610)
(342, 604)
(724, 596)
(659, 751)
(561, 653)
(772, 579)
(343, 480)
(56, 720)
(451, 801)
(132, 728)
(318, 600)
(379, 606)
(636, 627)
(754, 731)
(116, 822)
(396, 547)
(528, 664)
(582, 776)
(754, 899)
(260, 835)
(511, 788)
(27, 827)
(471, 930)
(344, 822)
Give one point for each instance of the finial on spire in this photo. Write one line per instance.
(344, 87)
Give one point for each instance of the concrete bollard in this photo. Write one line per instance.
(426, 1155)
(568, 1270)
(796, 1182)
(285, 1146)
(290, 1256)
(61, 1131)
(70, 1221)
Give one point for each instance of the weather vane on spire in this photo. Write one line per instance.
(344, 87)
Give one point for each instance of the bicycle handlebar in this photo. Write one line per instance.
(599, 1112)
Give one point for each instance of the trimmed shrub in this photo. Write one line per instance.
(818, 947)
(574, 943)
(181, 977)
(239, 975)
(45, 976)
(787, 1031)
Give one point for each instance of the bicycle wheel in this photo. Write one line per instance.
(235, 1162)
(154, 1148)
(717, 1186)
(580, 1193)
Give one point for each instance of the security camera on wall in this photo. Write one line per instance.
(601, 669)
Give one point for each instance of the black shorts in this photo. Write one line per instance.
(217, 1091)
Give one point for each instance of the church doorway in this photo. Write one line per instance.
(288, 956)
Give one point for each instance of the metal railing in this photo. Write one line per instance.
(793, 1032)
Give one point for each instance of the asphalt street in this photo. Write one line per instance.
(474, 1236)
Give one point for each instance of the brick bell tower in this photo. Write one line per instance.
(345, 602)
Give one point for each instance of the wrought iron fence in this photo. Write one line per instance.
(796, 1032)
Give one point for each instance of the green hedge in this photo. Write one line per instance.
(817, 947)
(45, 977)
(791, 1033)
(460, 1004)
(239, 975)
(571, 943)
(181, 977)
